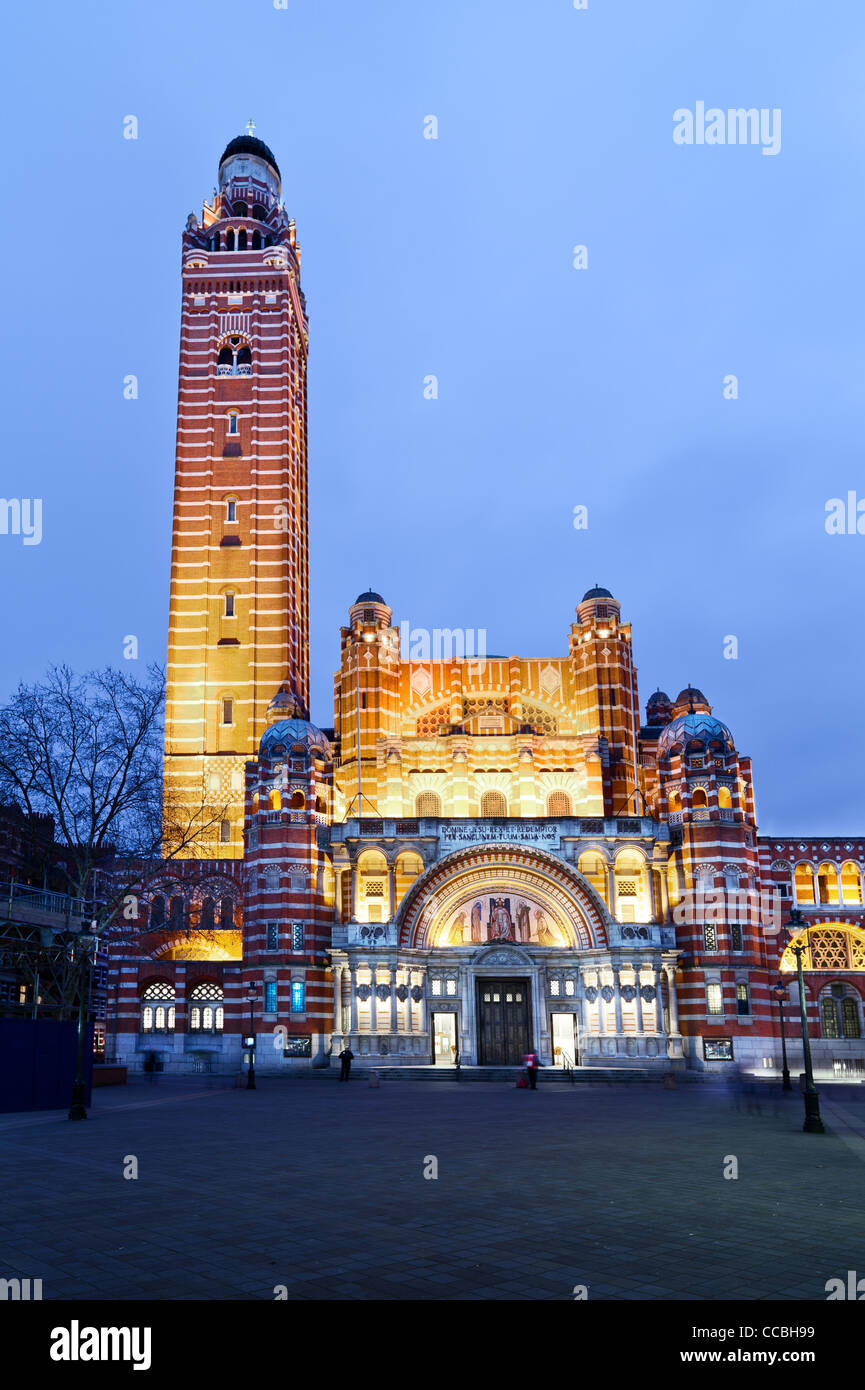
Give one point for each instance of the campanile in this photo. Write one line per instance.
(239, 610)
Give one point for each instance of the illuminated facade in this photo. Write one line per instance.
(238, 618)
(482, 854)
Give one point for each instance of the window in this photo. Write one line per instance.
(228, 711)
(232, 423)
(157, 1008)
(714, 999)
(231, 503)
(297, 996)
(297, 936)
(493, 805)
(850, 1018)
(270, 996)
(436, 987)
(229, 604)
(157, 911)
(736, 936)
(206, 1013)
(830, 1018)
(718, 1049)
(558, 804)
(710, 936)
(428, 804)
(450, 986)
(205, 920)
(555, 988)
(272, 936)
(743, 1003)
(226, 912)
(225, 832)
(569, 986)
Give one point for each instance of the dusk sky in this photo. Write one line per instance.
(558, 387)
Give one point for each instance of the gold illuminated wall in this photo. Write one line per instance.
(238, 620)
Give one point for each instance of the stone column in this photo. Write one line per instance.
(659, 1001)
(408, 1004)
(391, 892)
(352, 998)
(424, 1011)
(638, 1003)
(337, 999)
(394, 1002)
(674, 1003)
(611, 891)
(617, 998)
(653, 908)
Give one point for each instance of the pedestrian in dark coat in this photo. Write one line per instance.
(345, 1060)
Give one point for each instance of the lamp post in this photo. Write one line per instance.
(780, 992)
(250, 1076)
(813, 1123)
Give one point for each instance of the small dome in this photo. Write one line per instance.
(291, 731)
(596, 592)
(369, 597)
(698, 727)
(691, 696)
(249, 144)
(658, 697)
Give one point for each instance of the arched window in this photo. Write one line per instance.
(851, 884)
(206, 918)
(803, 884)
(231, 507)
(699, 799)
(229, 240)
(157, 911)
(225, 832)
(157, 1008)
(256, 241)
(206, 1009)
(258, 212)
(275, 800)
(241, 239)
(214, 242)
(558, 804)
(229, 603)
(227, 710)
(428, 804)
(725, 799)
(675, 801)
(593, 866)
(233, 422)
(827, 884)
(239, 208)
(298, 801)
(226, 912)
(839, 1012)
(175, 913)
(493, 805)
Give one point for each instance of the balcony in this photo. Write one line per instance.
(244, 369)
(37, 907)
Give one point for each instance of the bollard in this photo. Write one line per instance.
(373, 1079)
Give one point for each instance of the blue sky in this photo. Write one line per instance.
(557, 387)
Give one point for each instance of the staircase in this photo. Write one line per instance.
(547, 1076)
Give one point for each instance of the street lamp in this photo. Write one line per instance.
(813, 1123)
(250, 1041)
(780, 992)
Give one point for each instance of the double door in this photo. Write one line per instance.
(504, 1035)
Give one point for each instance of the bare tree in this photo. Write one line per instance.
(88, 751)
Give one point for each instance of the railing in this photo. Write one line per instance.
(726, 814)
(41, 900)
(568, 1064)
(699, 814)
(243, 369)
(675, 817)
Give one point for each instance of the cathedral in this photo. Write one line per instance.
(472, 856)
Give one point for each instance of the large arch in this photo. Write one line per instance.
(576, 913)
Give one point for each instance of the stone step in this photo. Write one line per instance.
(506, 1075)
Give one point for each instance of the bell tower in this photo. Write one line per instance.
(239, 609)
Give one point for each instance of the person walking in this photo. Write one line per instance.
(345, 1060)
(531, 1063)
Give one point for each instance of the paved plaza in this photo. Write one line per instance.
(320, 1187)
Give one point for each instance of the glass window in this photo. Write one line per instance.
(743, 1004)
(228, 711)
(231, 509)
(297, 996)
(229, 604)
(736, 936)
(272, 936)
(714, 999)
(297, 936)
(270, 997)
(555, 988)
(850, 1018)
(710, 936)
(830, 1018)
(232, 424)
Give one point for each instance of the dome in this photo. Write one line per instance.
(691, 696)
(369, 597)
(291, 731)
(249, 144)
(658, 697)
(697, 727)
(596, 592)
